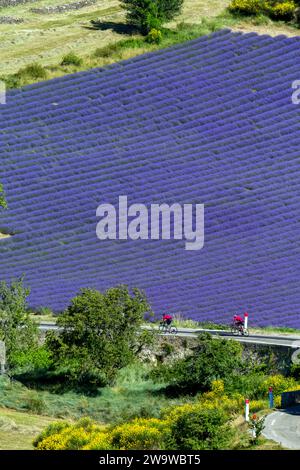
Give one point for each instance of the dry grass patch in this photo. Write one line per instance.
(18, 429)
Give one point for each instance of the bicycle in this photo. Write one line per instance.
(238, 329)
(165, 328)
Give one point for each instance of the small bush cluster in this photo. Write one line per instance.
(34, 71)
(275, 9)
(154, 36)
(212, 359)
(71, 59)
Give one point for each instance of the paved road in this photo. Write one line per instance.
(276, 340)
(284, 427)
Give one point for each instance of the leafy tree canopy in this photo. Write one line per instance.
(99, 334)
(17, 329)
(148, 14)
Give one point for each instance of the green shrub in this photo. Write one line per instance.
(34, 71)
(107, 51)
(201, 429)
(212, 359)
(154, 36)
(33, 402)
(167, 348)
(250, 385)
(34, 359)
(45, 311)
(295, 371)
(71, 59)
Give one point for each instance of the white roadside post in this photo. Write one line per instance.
(246, 320)
(247, 410)
(2, 358)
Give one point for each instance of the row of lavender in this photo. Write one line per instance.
(210, 121)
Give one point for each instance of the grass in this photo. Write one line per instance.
(133, 395)
(18, 429)
(114, 52)
(45, 40)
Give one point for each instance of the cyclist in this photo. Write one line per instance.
(167, 319)
(238, 321)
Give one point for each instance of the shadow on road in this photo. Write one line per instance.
(293, 410)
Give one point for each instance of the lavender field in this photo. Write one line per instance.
(210, 121)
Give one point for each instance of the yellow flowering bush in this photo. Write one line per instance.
(247, 7)
(72, 438)
(139, 434)
(53, 442)
(278, 10)
(293, 388)
(279, 384)
(277, 401)
(100, 441)
(216, 398)
(258, 405)
(172, 414)
(54, 429)
(60, 435)
(282, 11)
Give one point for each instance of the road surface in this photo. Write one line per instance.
(284, 427)
(276, 340)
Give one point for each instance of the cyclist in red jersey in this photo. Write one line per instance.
(167, 319)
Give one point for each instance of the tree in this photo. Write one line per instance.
(213, 359)
(17, 330)
(148, 14)
(99, 334)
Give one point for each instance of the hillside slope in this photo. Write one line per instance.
(210, 121)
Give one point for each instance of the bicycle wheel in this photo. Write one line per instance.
(161, 327)
(173, 330)
(234, 331)
(246, 332)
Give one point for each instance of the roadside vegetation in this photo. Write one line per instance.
(111, 386)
